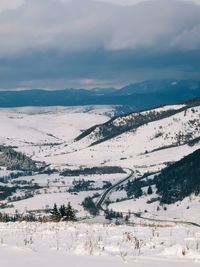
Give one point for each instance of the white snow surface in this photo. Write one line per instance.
(55, 191)
(81, 244)
(186, 210)
(38, 125)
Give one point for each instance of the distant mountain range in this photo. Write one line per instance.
(138, 96)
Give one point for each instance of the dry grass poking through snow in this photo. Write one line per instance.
(122, 241)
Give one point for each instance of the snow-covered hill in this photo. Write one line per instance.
(137, 140)
(43, 125)
(79, 137)
(86, 136)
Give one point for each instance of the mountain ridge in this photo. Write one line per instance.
(143, 95)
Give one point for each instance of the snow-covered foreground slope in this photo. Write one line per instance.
(78, 244)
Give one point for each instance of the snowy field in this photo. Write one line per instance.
(185, 210)
(42, 125)
(81, 244)
(54, 189)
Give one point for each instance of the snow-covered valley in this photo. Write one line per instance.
(49, 134)
(81, 153)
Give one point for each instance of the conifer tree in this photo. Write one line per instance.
(149, 191)
(70, 215)
(62, 211)
(55, 215)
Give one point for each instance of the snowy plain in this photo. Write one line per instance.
(81, 244)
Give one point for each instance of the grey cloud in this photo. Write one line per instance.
(63, 43)
(82, 25)
(189, 39)
(86, 69)
(5, 4)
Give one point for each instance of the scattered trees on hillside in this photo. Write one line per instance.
(110, 214)
(180, 179)
(149, 191)
(89, 205)
(134, 189)
(14, 160)
(92, 171)
(63, 213)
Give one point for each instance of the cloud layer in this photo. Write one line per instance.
(84, 39)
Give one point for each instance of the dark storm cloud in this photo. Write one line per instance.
(57, 43)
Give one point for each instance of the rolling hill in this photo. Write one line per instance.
(150, 137)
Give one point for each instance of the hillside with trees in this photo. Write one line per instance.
(180, 179)
(14, 160)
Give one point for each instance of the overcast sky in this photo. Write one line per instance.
(59, 44)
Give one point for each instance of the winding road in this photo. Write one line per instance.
(102, 198)
(105, 193)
